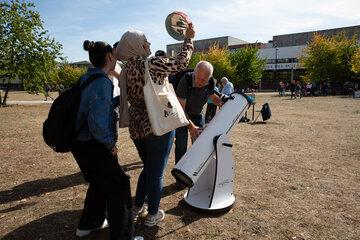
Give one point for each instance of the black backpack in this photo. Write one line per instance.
(59, 128)
(175, 79)
(265, 112)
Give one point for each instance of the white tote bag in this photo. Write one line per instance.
(164, 110)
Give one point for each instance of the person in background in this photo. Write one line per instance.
(160, 53)
(153, 150)
(61, 89)
(309, 89)
(115, 75)
(325, 88)
(47, 90)
(211, 107)
(228, 87)
(281, 88)
(95, 152)
(292, 88)
(297, 89)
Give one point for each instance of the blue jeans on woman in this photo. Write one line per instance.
(154, 153)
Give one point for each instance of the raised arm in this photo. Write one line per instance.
(170, 65)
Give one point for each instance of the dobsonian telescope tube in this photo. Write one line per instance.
(194, 162)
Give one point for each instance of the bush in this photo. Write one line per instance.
(68, 75)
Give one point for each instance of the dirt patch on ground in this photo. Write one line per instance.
(297, 177)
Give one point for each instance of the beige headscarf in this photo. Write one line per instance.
(131, 45)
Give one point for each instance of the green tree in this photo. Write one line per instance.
(355, 63)
(249, 67)
(26, 52)
(345, 48)
(195, 58)
(68, 74)
(220, 59)
(329, 58)
(319, 59)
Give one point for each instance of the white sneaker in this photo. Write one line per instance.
(139, 212)
(138, 238)
(152, 220)
(83, 233)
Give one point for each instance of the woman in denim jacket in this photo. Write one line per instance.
(96, 153)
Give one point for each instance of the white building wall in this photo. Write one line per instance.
(281, 53)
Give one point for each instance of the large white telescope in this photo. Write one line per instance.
(207, 168)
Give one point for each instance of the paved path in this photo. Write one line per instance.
(38, 102)
(31, 102)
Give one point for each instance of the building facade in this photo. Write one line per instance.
(297, 39)
(282, 53)
(204, 44)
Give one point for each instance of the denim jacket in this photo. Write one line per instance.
(97, 111)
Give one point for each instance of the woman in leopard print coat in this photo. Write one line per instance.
(153, 150)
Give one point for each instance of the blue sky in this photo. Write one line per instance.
(72, 21)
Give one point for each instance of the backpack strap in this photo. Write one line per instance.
(211, 85)
(92, 78)
(189, 81)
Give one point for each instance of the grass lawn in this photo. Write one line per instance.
(296, 177)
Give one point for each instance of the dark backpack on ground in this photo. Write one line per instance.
(59, 128)
(265, 112)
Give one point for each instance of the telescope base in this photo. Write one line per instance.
(200, 202)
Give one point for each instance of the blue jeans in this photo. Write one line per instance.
(181, 136)
(154, 153)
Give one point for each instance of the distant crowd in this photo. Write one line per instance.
(299, 89)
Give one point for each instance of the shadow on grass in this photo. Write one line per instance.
(40, 186)
(257, 122)
(46, 185)
(171, 189)
(17, 207)
(188, 216)
(149, 233)
(60, 225)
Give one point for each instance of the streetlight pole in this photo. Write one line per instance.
(292, 70)
(276, 50)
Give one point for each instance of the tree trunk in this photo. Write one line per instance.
(6, 92)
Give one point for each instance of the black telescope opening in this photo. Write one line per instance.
(182, 177)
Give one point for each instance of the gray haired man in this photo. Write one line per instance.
(193, 92)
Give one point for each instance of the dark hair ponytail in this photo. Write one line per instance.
(88, 45)
(97, 52)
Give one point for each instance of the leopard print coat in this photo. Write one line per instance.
(159, 68)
